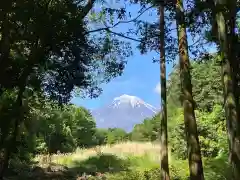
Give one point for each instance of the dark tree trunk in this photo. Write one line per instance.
(164, 133)
(5, 43)
(18, 115)
(18, 118)
(194, 152)
(226, 38)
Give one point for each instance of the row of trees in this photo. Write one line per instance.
(48, 50)
(206, 80)
(53, 129)
(194, 16)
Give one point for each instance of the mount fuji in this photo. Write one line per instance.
(123, 112)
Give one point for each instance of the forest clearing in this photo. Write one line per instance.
(58, 55)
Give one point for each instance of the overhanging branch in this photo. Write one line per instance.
(123, 36)
(108, 28)
(119, 22)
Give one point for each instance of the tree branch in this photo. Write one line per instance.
(132, 20)
(119, 22)
(108, 29)
(123, 36)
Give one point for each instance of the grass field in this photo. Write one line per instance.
(124, 161)
(111, 161)
(123, 151)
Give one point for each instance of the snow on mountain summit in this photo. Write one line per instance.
(133, 100)
(126, 97)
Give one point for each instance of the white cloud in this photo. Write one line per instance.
(157, 89)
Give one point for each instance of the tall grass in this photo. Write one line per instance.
(138, 158)
(122, 150)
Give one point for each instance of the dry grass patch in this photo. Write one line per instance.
(121, 150)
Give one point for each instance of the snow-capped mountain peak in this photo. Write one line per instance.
(124, 112)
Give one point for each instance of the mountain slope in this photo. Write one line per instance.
(123, 112)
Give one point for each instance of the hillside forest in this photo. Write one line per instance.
(51, 51)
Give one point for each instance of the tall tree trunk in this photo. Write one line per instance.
(164, 133)
(4, 48)
(226, 23)
(18, 118)
(194, 152)
(234, 62)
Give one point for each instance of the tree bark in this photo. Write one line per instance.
(163, 131)
(234, 62)
(226, 24)
(194, 152)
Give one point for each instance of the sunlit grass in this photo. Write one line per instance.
(124, 150)
(132, 159)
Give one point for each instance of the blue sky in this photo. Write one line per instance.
(141, 76)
